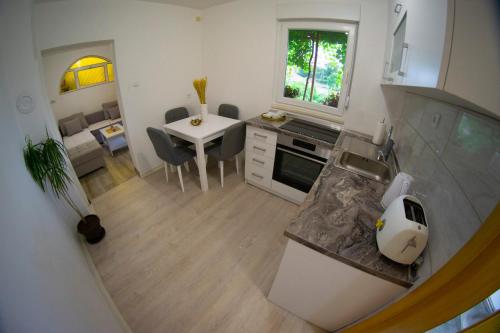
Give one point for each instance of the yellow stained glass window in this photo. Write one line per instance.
(111, 73)
(68, 82)
(91, 76)
(86, 72)
(87, 61)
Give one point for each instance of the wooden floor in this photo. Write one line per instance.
(194, 262)
(119, 168)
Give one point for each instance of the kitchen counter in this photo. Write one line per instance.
(338, 218)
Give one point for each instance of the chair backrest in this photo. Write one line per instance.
(176, 114)
(229, 111)
(233, 140)
(163, 145)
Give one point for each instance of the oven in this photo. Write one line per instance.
(297, 165)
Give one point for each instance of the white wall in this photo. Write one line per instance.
(239, 53)
(46, 284)
(157, 55)
(160, 48)
(56, 62)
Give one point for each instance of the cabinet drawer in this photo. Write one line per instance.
(259, 160)
(258, 175)
(260, 148)
(261, 135)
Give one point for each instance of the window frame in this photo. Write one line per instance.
(282, 62)
(78, 69)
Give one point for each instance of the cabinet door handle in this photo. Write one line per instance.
(258, 161)
(260, 135)
(385, 76)
(404, 56)
(397, 8)
(258, 148)
(258, 176)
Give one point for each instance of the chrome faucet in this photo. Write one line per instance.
(383, 154)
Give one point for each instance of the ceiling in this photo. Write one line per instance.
(198, 4)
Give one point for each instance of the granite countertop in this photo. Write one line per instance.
(338, 218)
(274, 126)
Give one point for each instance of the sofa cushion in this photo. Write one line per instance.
(107, 106)
(72, 126)
(114, 112)
(95, 117)
(79, 115)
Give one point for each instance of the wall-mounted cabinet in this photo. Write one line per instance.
(452, 46)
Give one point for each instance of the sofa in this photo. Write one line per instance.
(84, 152)
(83, 143)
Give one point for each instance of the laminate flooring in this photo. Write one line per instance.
(119, 168)
(194, 262)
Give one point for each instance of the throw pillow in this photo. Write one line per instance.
(95, 117)
(83, 121)
(73, 126)
(114, 112)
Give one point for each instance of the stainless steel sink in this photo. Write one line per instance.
(372, 169)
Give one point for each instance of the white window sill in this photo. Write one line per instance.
(309, 113)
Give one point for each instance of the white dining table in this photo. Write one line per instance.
(212, 127)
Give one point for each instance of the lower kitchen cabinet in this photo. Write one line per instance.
(260, 149)
(325, 291)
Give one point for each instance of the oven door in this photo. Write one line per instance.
(296, 169)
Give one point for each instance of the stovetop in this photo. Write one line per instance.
(312, 130)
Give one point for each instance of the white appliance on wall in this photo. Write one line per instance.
(402, 230)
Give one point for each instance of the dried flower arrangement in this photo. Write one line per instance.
(200, 86)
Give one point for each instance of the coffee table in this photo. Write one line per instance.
(114, 137)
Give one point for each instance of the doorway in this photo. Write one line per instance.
(83, 89)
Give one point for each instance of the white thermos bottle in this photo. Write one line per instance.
(379, 136)
(400, 185)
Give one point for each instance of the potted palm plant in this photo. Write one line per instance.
(46, 163)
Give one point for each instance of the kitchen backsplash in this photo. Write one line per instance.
(454, 157)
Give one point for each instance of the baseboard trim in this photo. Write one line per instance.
(103, 289)
(270, 190)
(150, 171)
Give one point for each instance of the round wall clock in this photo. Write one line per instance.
(25, 104)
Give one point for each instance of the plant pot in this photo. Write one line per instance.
(91, 228)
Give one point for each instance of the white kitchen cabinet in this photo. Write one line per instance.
(416, 39)
(260, 148)
(394, 46)
(327, 292)
(474, 65)
(449, 46)
(262, 135)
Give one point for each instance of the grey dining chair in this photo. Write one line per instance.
(174, 115)
(229, 111)
(170, 154)
(232, 144)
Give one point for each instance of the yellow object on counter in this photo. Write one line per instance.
(379, 224)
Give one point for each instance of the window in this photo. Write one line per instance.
(481, 311)
(314, 65)
(86, 72)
